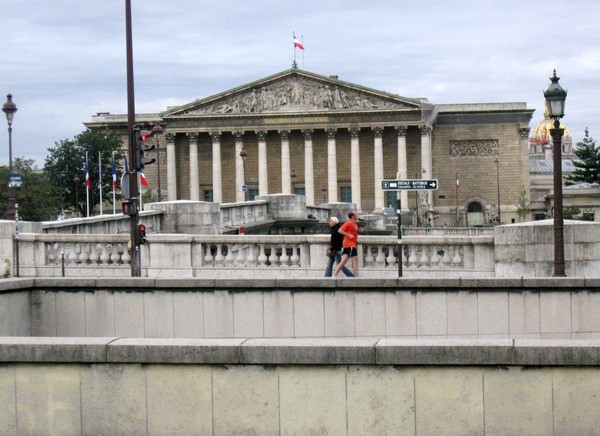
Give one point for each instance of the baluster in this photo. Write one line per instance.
(208, 257)
(119, 249)
(284, 258)
(391, 259)
(424, 259)
(112, 254)
(94, 257)
(219, 258)
(380, 259)
(241, 255)
(104, 257)
(72, 258)
(447, 259)
(412, 258)
(369, 259)
(229, 259)
(262, 257)
(51, 254)
(435, 258)
(273, 257)
(457, 260)
(250, 258)
(125, 257)
(83, 256)
(404, 252)
(295, 259)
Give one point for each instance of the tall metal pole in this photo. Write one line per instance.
(9, 108)
(559, 242)
(133, 182)
(498, 185)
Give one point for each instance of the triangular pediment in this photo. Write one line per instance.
(295, 91)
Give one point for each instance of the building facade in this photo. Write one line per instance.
(334, 141)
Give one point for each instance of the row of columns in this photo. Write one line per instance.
(309, 185)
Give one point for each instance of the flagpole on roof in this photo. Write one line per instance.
(114, 182)
(294, 65)
(87, 186)
(302, 40)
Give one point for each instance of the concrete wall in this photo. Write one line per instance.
(357, 387)
(313, 308)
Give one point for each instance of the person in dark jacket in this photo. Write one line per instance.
(335, 245)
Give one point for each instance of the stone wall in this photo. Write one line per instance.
(269, 387)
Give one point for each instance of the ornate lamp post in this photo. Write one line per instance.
(244, 155)
(9, 108)
(324, 191)
(158, 130)
(498, 186)
(555, 97)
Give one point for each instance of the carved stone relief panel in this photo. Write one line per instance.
(474, 147)
(297, 94)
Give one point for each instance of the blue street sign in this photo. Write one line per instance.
(244, 188)
(409, 185)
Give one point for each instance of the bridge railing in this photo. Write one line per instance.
(211, 256)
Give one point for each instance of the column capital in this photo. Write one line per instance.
(170, 137)
(193, 137)
(331, 133)
(378, 131)
(401, 130)
(524, 132)
(307, 134)
(354, 132)
(285, 134)
(215, 136)
(426, 129)
(262, 135)
(238, 135)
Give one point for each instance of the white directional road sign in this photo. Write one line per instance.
(409, 185)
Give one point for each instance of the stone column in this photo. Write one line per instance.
(171, 167)
(402, 166)
(217, 177)
(378, 168)
(239, 167)
(309, 173)
(286, 181)
(263, 170)
(524, 143)
(332, 187)
(194, 178)
(355, 167)
(426, 159)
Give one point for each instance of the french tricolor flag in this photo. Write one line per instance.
(88, 183)
(114, 173)
(457, 182)
(297, 43)
(143, 178)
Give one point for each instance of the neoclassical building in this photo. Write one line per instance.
(335, 141)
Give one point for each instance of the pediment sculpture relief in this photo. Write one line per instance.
(296, 94)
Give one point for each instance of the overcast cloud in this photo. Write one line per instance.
(64, 60)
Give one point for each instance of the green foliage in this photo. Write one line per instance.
(523, 208)
(574, 213)
(65, 168)
(587, 165)
(36, 199)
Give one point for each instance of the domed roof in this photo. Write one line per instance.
(541, 134)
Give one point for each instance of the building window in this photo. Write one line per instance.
(539, 216)
(252, 194)
(346, 194)
(208, 195)
(299, 191)
(391, 199)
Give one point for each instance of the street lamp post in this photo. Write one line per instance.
(9, 108)
(324, 191)
(244, 155)
(555, 97)
(498, 186)
(158, 130)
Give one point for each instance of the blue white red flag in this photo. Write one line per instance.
(88, 183)
(297, 43)
(143, 178)
(114, 173)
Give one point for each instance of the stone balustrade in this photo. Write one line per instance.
(213, 256)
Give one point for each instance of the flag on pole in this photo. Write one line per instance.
(457, 182)
(126, 167)
(100, 179)
(88, 183)
(114, 173)
(143, 179)
(297, 43)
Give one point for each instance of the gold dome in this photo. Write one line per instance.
(541, 134)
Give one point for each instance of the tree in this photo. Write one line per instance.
(587, 165)
(523, 207)
(65, 167)
(36, 199)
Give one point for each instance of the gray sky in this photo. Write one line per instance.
(64, 60)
